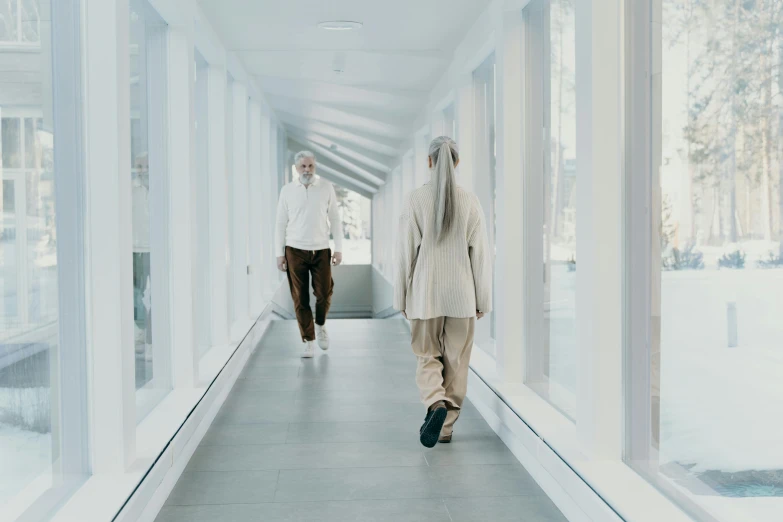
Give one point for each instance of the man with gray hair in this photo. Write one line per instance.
(306, 214)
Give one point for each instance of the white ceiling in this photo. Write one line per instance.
(389, 67)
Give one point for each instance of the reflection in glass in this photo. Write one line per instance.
(33, 445)
(147, 85)
(552, 59)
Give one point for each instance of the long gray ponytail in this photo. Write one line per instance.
(444, 155)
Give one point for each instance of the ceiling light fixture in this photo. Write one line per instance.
(340, 25)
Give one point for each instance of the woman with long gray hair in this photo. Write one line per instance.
(443, 284)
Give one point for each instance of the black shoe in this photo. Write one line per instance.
(433, 422)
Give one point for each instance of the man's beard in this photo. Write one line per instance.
(306, 179)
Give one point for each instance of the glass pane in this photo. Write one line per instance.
(355, 212)
(484, 106)
(34, 446)
(9, 21)
(229, 201)
(8, 257)
(552, 58)
(12, 143)
(31, 147)
(718, 274)
(152, 361)
(203, 288)
(450, 122)
(31, 21)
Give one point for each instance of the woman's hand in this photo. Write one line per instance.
(479, 315)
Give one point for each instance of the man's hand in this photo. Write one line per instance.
(479, 315)
(281, 265)
(337, 258)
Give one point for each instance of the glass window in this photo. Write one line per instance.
(229, 239)
(710, 433)
(147, 88)
(39, 453)
(408, 180)
(486, 154)
(20, 22)
(12, 143)
(450, 122)
(420, 172)
(355, 213)
(203, 290)
(551, 101)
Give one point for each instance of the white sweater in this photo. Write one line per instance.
(302, 215)
(452, 278)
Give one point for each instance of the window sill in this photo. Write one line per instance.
(103, 495)
(611, 481)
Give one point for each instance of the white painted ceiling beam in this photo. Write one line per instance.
(348, 120)
(389, 148)
(374, 179)
(366, 158)
(335, 174)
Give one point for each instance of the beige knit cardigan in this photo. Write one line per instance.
(450, 278)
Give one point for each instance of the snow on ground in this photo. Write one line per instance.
(720, 406)
(24, 455)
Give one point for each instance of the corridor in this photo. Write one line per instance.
(161, 162)
(335, 438)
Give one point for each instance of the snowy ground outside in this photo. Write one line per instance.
(24, 455)
(720, 405)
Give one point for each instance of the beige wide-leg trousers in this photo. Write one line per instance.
(443, 346)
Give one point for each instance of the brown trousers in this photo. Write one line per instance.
(301, 264)
(443, 346)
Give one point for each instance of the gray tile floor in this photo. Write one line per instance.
(335, 439)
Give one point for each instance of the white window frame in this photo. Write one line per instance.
(69, 377)
(19, 44)
(157, 71)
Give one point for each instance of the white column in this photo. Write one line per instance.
(509, 300)
(182, 187)
(241, 202)
(256, 208)
(108, 252)
(599, 300)
(218, 216)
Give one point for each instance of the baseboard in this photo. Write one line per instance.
(147, 501)
(573, 497)
(388, 313)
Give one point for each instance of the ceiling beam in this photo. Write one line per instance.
(364, 158)
(373, 178)
(335, 174)
(351, 120)
(379, 145)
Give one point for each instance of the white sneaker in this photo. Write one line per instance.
(309, 351)
(323, 337)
